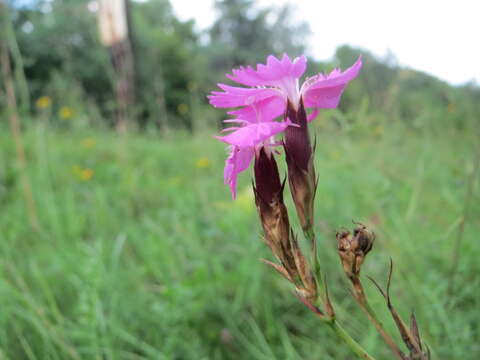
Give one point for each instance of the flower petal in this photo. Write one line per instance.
(271, 73)
(251, 135)
(262, 111)
(323, 91)
(235, 96)
(238, 161)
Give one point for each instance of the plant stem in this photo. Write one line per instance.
(347, 339)
(15, 126)
(309, 234)
(461, 229)
(362, 301)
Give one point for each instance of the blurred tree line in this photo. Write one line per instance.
(176, 65)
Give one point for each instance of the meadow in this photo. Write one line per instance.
(142, 254)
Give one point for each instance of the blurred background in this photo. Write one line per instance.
(118, 239)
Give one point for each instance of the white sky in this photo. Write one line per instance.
(439, 37)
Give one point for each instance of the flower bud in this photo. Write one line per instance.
(301, 172)
(354, 248)
(273, 214)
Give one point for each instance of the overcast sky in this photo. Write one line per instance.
(439, 37)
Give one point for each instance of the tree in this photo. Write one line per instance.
(244, 34)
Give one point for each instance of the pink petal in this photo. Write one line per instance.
(325, 91)
(269, 74)
(262, 111)
(251, 135)
(236, 96)
(238, 161)
(245, 76)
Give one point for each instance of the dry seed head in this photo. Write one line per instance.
(353, 249)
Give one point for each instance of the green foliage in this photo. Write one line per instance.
(244, 34)
(410, 96)
(168, 64)
(61, 36)
(143, 255)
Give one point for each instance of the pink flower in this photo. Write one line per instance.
(271, 88)
(280, 79)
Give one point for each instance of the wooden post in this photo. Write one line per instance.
(114, 35)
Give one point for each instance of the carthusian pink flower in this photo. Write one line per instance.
(271, 90)
(280, 79)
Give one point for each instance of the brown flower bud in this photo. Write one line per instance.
(301, 171)
(353, 249)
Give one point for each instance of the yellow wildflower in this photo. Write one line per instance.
(182, 109)
(89, 142)
(202, 163)
(44, 102)
(65, 112)
(86, 174)
(83, 174)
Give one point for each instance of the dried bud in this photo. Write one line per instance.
(353, 249)
(301, 172)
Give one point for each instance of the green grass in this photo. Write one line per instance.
(150, 258)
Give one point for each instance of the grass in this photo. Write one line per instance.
(143, 255)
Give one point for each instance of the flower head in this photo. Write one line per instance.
(272, 88)
(280, 79)
(65, 112)
(43, 102)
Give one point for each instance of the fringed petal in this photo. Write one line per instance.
(323, 91)
(254, 134)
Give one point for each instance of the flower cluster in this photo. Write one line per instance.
(268, 105)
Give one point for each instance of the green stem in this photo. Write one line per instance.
(347, 339)
(309, 234)
(361, 298)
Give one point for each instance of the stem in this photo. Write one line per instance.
(15, 126)
(309, 234)
(461, 228)
(18, 71)
(362, 301)
(347, 339)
